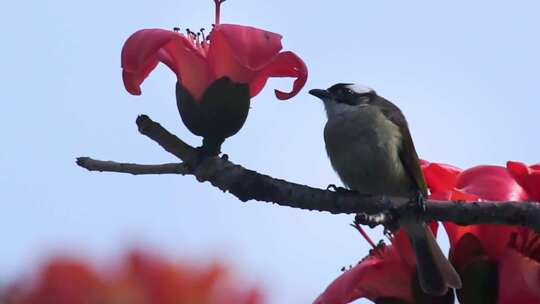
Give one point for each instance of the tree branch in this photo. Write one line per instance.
(249, 185)
(135, 169)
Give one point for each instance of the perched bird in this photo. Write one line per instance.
(369, 145)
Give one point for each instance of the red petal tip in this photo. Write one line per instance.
(285, 64)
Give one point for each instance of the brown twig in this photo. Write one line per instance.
(135, 169)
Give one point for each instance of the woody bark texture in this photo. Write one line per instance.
(249, 185)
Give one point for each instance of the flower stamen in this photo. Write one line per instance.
(532, 246)
(203, 34)
(199, 40)
(527, 243)
(364, 234)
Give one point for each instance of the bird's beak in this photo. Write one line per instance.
(322, 94)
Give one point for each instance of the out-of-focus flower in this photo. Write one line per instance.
(140, 279)
(217, 74)
(497, 263)
(387, 275)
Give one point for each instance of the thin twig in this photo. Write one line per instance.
(135, 169)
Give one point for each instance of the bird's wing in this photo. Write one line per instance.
(407, 152)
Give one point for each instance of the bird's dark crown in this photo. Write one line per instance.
(351, 94)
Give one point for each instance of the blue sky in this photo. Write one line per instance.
(466, 74)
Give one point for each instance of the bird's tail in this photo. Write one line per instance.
(435, 272)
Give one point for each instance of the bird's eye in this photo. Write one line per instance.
(348, 92)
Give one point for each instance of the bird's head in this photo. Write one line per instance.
(344, 97)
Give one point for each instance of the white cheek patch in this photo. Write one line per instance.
(334, 108)
(360, 89)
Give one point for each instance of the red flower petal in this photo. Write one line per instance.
(455, 232)
(519, 279)
(488, 183)
(491, 183)
(441, 180)
(253, 48)
(286, 64)
(441, 177)
(145, 48)
(370, 279)
(518, 170)
(224, 61)
(467, 248)
(527, 177)
(402, 244)
(65, 281)
(424, 163)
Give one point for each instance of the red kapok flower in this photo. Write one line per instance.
(245, 54)
(242, 53)
(140, 279)
(481, 182)
(381, 274)
(217, 74)
(498, 263)
(441, 180)
(386, 275)
(63, 281)
(519, 269)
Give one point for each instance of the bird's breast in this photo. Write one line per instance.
(363, 147)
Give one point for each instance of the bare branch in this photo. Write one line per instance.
(249, 185)
(135, 169)
(170, 142)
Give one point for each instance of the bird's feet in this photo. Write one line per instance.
(418, 203)
(337, 189)
(421, 201)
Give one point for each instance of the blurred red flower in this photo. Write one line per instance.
(498, 264)
(244, 54)
(140, 279)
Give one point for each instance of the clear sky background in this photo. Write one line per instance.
(465, 73)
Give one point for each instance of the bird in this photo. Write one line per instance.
(370, 147)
